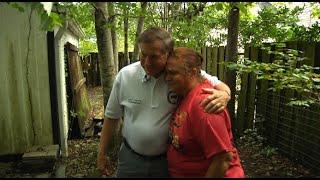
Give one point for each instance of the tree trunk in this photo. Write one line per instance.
(139, 30)
(232, 53)
(166, 14)
(114, 35)
(105, 50)
(125, 30)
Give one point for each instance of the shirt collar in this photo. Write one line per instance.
(147, 78)
(144, 76)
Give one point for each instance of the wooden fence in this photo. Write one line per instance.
(91, 71)
(293, 130)
(212, 59)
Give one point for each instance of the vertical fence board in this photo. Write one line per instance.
(121, 60)
(90, 79)
(204, 55)
(241, 110)
(209, 60)
(316, 108)
(275, 104)
(251, 91)
(290, 112)
(221, 56)
(301, 113)
(263, 101)
(214, 60)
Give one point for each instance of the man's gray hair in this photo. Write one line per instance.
(156, 33)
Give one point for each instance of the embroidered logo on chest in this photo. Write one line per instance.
(135, 101)
(172, 97)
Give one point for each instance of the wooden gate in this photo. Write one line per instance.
(80, 104)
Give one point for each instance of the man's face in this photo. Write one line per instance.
(153, 58)
(176, 76)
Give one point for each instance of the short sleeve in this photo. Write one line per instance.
(212, 79)
(114, 109)
(211, 131)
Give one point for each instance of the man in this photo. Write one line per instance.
(201, 144)
(141, 96)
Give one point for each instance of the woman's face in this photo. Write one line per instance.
(176, 76)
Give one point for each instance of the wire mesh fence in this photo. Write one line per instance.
(293, 130)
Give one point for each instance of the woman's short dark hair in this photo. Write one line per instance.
(155, 33)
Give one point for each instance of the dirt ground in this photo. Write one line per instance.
(83, 152)
(254, 158)
(261, 160)
(258, 160)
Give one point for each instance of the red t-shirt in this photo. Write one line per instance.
(197, 136)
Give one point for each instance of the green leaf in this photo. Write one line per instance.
(56, 19)
(17, 6)
(219, 6)
(36, 5)
(233, 66)
(303, 103)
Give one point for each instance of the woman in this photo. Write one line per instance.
(201, 144)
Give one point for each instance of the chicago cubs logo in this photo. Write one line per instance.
(172, 97)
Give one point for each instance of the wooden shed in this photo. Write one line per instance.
(33, 105)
